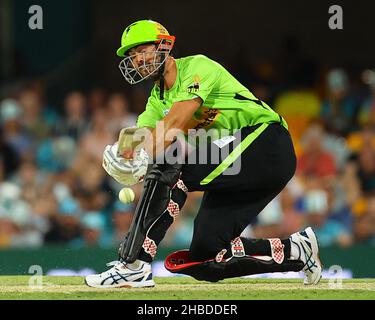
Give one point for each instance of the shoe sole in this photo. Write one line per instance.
(129, 285)
(315, 250)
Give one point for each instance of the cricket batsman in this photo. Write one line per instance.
(248, 161)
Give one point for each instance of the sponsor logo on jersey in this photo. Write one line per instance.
(194, 87)
(207, 117)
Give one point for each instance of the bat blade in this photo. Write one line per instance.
(128, 141)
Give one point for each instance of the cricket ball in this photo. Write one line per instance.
(126, 195)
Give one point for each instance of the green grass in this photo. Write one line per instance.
(181, 288)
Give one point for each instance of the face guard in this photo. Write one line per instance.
(134, 74)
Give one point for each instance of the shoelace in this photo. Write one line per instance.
(310, 262)
(117, 263)
(113, 263)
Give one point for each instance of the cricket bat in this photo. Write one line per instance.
(127, 142)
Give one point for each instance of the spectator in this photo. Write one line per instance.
(56, 154)
(9, 200)
(64, 225)
(339, 109)
(18, 226)
(357, 140)
(74, 123)
(343, 193)
(364, 230)
(328, 231)
(121, 219)
(90, 186)
(315, 161)
(31, 181)
(367, 111)
(93, 231)
(9, 159)
(97, 98)
(33, 119)
(119, 113)
(366, 169)
(95, 140)
(13, 134)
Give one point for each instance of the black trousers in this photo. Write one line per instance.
(233, 198)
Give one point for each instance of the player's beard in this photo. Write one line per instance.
(148, 70)
(151, 71)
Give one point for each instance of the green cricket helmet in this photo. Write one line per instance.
(144, 32)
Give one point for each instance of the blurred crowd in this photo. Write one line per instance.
(53, 189)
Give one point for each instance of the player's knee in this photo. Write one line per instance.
(205, 248)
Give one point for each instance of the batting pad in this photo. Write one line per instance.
(210, 270)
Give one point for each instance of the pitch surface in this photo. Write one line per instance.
(181, 288)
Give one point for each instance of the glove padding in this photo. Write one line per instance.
(125, 171)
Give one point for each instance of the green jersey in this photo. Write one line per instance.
(227, 104)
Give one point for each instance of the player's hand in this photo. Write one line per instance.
(125, 171)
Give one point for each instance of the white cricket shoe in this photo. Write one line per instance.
(308, 247)
(123, 275)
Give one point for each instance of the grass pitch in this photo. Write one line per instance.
(185, 288)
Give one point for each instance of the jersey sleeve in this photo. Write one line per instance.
(199, 79)
(150, 116)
